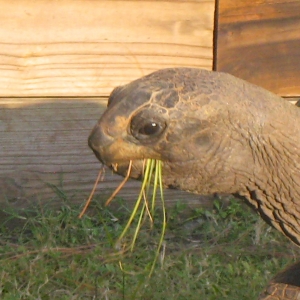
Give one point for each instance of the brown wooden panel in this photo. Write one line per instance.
(44, 156)
(259, 41)
(87, 47)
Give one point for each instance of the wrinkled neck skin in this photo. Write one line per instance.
(260, 165)
(274, 191)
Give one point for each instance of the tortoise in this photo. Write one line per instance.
(214, 133)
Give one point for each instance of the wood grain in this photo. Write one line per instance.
(45, 159)
(259, 41)
(86, 47)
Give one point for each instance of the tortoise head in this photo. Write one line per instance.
(214, 133)
(199, 123)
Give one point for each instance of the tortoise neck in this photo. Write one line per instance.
(274, 188)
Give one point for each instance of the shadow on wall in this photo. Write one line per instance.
(45, 159)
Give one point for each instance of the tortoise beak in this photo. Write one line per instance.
(109, 152)
(98, 142)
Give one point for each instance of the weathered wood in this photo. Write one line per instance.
(259, 41)
(80, 48)
(45, 159)
(85, 47)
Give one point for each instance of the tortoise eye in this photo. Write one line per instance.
(150, 128)
(144, 126)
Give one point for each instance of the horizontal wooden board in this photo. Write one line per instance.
(86, 47)
(45, 159)
(259, 41)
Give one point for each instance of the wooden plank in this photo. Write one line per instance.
(85, 47)
(259, 41)
(45, 159)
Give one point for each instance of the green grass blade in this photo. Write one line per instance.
(137, 205)
(159, 177)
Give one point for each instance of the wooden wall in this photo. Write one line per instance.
(85, 48)
(60, 59)
(259, 41)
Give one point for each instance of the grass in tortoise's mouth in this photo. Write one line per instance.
(145, 204)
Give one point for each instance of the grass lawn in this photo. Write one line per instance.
(226, 253)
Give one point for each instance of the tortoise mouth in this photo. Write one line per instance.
(121, 168)
(121, 165)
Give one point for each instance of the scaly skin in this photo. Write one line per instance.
(280, 291)
(215, 134)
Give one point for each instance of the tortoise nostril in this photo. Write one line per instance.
(97, 139)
